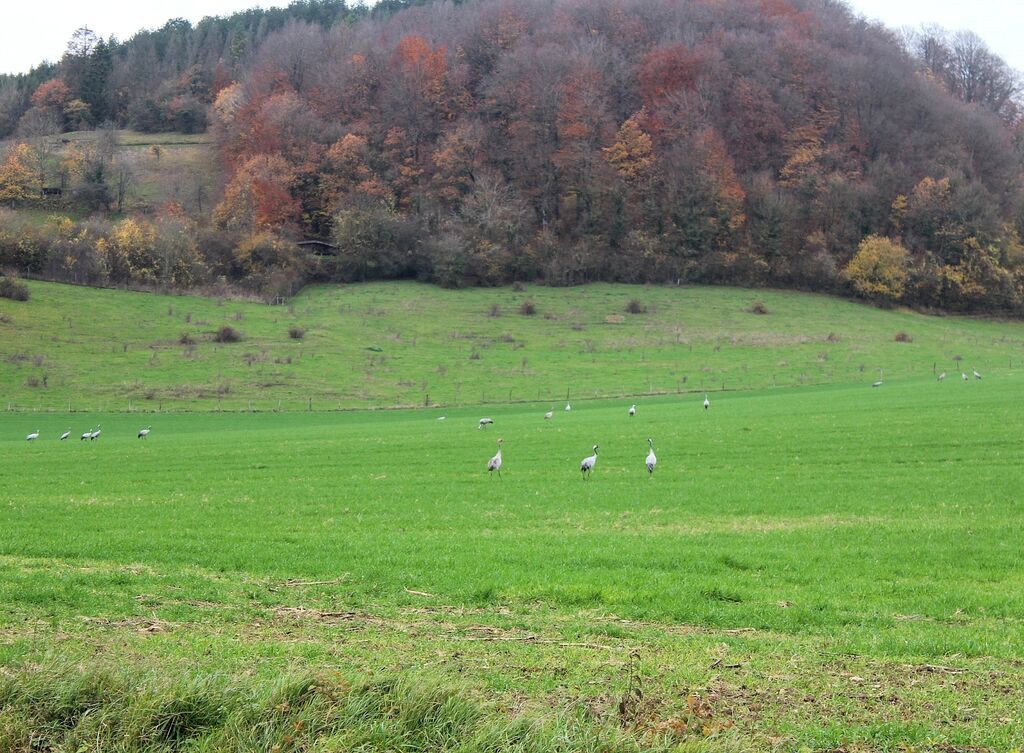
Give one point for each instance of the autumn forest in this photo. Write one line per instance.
(784, 143)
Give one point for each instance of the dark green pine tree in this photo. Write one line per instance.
(94, 81)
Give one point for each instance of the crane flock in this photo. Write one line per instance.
(588, 463)
(90, 435)
(494, 464)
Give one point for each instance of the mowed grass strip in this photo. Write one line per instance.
(833, 565)
(406, 344)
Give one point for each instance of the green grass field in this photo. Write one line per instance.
(827, 566)
(405, 344)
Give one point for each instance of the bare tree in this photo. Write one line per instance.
(969, 69)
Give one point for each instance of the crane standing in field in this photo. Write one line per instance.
(65, 435)
(484, 422)
(632, 410)
(143, 433)
(879, 382)
(588, 463)
(33, 436)
(707, 403)
(95, 434)
(549, 414)
(494, 464)
(87, 435)
(652, 460)
(963, 375)
(942, 376)
(976, 374)
(568, 407)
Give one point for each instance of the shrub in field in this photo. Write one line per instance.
(527, 308)
(903, 337)
(13, 289)
(635, 306)
(228, 334)
(186, 339)
(296, 332)
(758, 307)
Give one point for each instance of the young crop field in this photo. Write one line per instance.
(827, 566)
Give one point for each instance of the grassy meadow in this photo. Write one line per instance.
(815, 564)
(406, 344)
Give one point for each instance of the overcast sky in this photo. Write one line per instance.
(37, 31)
(999, 22)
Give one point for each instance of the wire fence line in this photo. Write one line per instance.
(456, 398)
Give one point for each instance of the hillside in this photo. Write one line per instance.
(393, 344)
(760, 142)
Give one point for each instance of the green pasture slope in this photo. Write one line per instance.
(810, 567)
(405, 344)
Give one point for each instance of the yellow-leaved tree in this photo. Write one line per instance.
(17, 179)
(631, 154)
(129, 251)
(879, 269)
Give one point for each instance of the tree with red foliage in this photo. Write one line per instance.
(258, 196)
(666, 70)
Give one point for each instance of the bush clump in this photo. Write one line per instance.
(527, 308)
(635, 306)
(758, 307)
(186, 339)
(228, 334)
(13, 289)
(903, 337)
(296, 332)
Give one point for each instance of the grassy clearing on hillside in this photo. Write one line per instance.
(832, 566)
(164, 167)
(404, 344)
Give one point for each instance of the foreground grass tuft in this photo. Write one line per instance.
(64, 707)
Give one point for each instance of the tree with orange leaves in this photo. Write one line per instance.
(258, 196)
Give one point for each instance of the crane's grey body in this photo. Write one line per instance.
(588, 463)
(494, 464)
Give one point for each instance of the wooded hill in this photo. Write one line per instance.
(759, 142)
